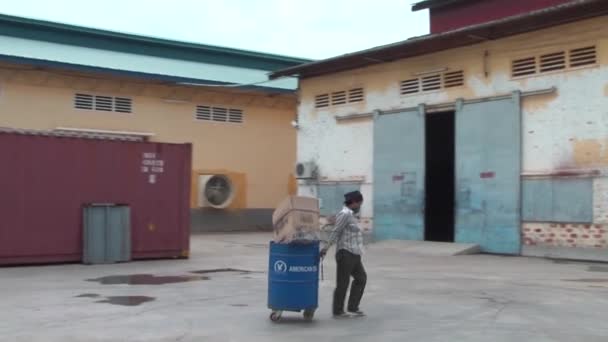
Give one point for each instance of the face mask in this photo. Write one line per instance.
(356, 210)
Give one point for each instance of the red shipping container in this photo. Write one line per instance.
(47, 180)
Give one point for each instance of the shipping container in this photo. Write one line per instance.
(48, 180)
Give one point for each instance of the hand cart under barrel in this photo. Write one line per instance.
(293, 279)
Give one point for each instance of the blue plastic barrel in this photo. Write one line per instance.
(293, 276)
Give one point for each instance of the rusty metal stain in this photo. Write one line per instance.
(589, 152)
(538, 103)
(408, 185)
(487, 174)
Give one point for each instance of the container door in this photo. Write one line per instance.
(118, 233)
(399, 162)
(107, 234)
(488, 166)
(94, 235)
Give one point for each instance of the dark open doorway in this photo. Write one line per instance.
(439, 206)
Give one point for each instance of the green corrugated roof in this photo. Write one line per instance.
(44, 41)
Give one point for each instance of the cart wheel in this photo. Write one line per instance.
(309, 314)
(275, 316)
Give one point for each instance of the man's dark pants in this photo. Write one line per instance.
(349, 264)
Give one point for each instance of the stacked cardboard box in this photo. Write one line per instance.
(296, 219)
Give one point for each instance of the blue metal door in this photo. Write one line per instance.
(488, 167)
(399, 162)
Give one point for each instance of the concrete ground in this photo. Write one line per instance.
(411, 296)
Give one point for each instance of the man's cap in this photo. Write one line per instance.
(353, 196)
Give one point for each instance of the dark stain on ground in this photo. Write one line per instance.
(127, 300)
(239, 305)
(589, 280)
(222, 270)
(595, 268)
(88, 295)
(146, 279)
(579, 262)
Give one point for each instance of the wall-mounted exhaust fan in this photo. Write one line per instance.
(215, 191)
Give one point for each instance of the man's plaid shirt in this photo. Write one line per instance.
(346, 233)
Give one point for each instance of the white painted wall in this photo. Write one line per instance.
(552, 124)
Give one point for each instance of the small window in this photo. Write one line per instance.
(338, 98)
(341, 97)
(553, 61)
(102, 103)
(410, 86)
(356, 95)
(453, 79)
(432, 82)
(83, 101)
(203, 113)
(523, 67)
(235, 115)
(122, 105)
(322, 101)
(583, 56)
(561, 60)
(219, 114)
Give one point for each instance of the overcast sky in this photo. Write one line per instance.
(301, 28)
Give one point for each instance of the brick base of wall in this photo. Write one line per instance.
(565, 235)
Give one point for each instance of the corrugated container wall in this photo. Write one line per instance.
(46, 181)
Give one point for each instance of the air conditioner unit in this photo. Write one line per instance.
(215, 191)
(306, 170)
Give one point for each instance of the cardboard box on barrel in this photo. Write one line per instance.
(296, 219)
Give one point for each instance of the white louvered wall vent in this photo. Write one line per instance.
(555, 61)
(432, 82)
(341, 97)
(219, 114)
(103, 103)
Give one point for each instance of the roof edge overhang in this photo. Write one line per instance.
(49, 31)
(42, 64)
(533, 21)
(430, 4)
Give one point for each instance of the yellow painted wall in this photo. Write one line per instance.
(261, 151)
